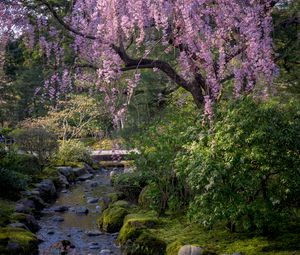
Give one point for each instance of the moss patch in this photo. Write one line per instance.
(134, 224)
(135, 238)
(6, 209)
(115, 196)
(145, 244)
(111, 219)
(177, 232)
(24, 241)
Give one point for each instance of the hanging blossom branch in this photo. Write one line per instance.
(214, 40)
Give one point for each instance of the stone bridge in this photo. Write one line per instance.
(113, 155)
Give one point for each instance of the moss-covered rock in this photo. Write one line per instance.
(51, 173)
(145, 244)
(111, 219)
(28, 220)
(17, 241)
(134, 225)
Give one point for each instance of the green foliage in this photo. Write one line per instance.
(77, 116)
(37, 141)
(6, 210)
(73, 151)
(22, 163)
(246, 170)
(158, 144)
(150, 197)
(287, 45)
(130, 184)
(12, 183)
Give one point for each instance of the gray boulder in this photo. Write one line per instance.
(65, 170)
(64, 183)
(28, 220)
(25, 206)
(190, 250)
(47, 190)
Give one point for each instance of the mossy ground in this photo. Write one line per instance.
(178, 231)
(6, 210)
(26, 241)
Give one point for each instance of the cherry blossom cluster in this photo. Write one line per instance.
(213, 39)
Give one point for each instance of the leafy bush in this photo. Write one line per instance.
(37, 141)
(245, 170)
(150, 197)
(159, 143)
(22, 163)
(11, 182)
(130, 184)
(73, 151)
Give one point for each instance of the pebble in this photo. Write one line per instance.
(105, 251)
(93, 233)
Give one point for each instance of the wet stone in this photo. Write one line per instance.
(81, 210)
(94, 246)
(85, 177)
(93, 233)
(58, 219)
(105, 252)
(92, 200)
(60, 208)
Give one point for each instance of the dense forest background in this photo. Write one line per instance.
(230, 183)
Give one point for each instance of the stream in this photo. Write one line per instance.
(78, 228)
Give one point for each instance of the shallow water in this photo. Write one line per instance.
(73, 227)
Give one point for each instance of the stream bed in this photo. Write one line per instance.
(75, 227)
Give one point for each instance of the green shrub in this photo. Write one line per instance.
(22, 163)
(73, 151)
(150, 197)
(130, 184)
(158, 144)
(37, 141)
(246, 170)
(11, 182)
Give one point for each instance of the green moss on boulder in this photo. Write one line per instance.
(17, 241)
(111, 219)
(134, 225)
(145, 244)
(173, 248)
